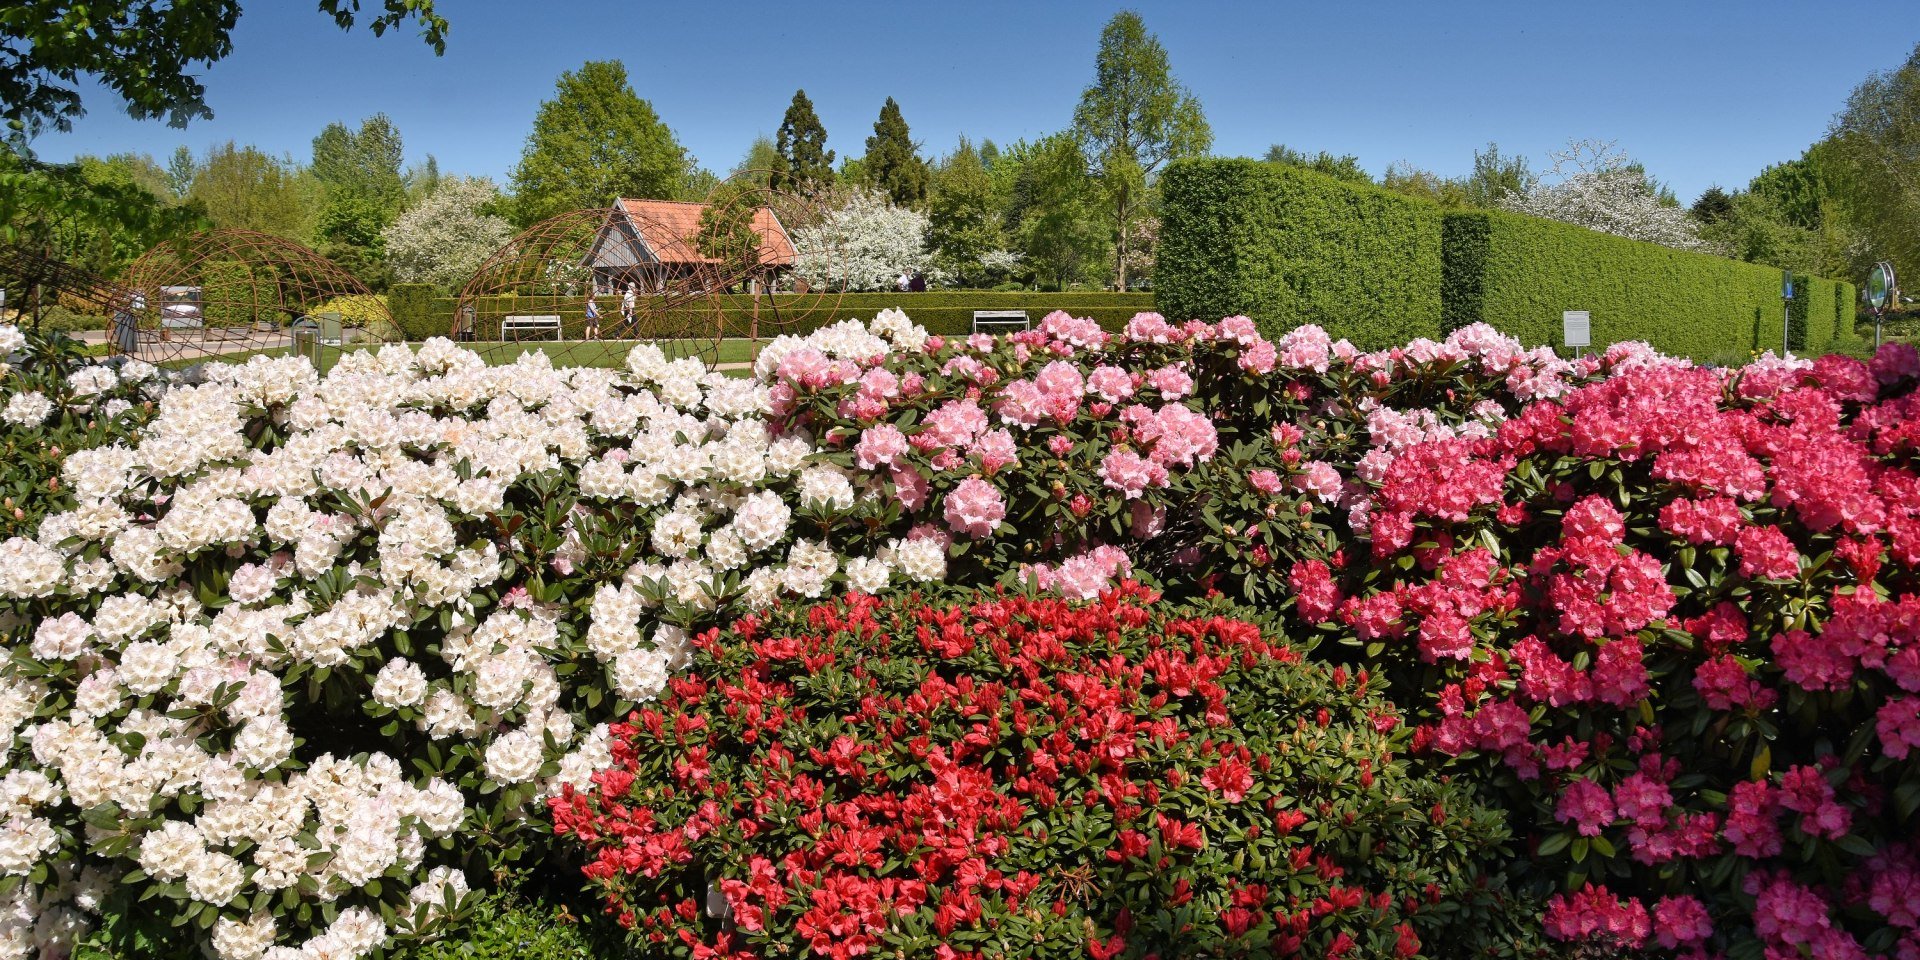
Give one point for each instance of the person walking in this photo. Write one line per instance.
(593, 318)
(626, 306)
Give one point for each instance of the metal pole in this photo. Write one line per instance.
(1786, 322)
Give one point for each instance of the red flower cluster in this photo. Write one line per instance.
(1005, 776)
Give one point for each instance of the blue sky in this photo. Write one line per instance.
(1701, 91)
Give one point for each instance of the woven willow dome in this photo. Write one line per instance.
(227, 293)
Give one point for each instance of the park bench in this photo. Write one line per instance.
(513, 325)
(987, 321)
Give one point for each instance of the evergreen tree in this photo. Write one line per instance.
(893, 162)
(595, 141)
(1713, 206)
(806, 164)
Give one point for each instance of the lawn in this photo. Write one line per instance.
(573, 353)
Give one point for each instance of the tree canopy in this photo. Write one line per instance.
(1876, 150)
(806, 164)
(245, 188)
(146, 51)
(595, 141)
(964, 213)
(893, 163)
(446, 236)
(1132, 120)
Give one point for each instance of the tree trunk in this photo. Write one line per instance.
(1120, 242)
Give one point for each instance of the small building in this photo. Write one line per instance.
(655, 245)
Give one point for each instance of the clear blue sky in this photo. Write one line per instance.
(1701, 91)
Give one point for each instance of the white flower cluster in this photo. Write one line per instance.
(447, 559)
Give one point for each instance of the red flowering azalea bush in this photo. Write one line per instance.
(996, 775)
(1675, 616)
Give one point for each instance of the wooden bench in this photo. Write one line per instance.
(986, 321)
(511, 326)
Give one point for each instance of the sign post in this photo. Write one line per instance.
(1576, 329)
(1786, 312)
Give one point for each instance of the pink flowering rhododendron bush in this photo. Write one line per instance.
(977, 775)
(1675, 616)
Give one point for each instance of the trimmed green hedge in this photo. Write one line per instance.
(943, 312)
(412, 307)
(1519, 273)
(1288, 246)
(1846, 332)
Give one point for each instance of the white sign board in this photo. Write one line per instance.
(1576, 331)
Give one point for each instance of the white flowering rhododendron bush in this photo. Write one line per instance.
(295, 660)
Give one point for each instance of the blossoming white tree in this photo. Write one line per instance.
(447, 235)
(1593, 185)
(865, 243)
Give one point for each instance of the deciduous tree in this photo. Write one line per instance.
(1131, 120)
(864, 243)
(443, 238)
(964, 220)
(595, 141)
(245, 188)
(1594, 186)
(146, 51)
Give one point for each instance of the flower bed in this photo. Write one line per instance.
(981, 775)
(293, 657)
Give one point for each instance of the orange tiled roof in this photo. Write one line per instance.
(670, 226)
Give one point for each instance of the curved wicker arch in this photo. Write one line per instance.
(230, 291)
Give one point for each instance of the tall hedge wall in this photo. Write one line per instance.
(1519, 273)
(1288, 246)
(943, 312)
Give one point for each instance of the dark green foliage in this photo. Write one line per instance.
(362, 191)
(1713, 206)
(149, 53)
(805, 162)
(1519, 273)
(893, 162)
(1288, 246)
(1846, 336)
(412, 307)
